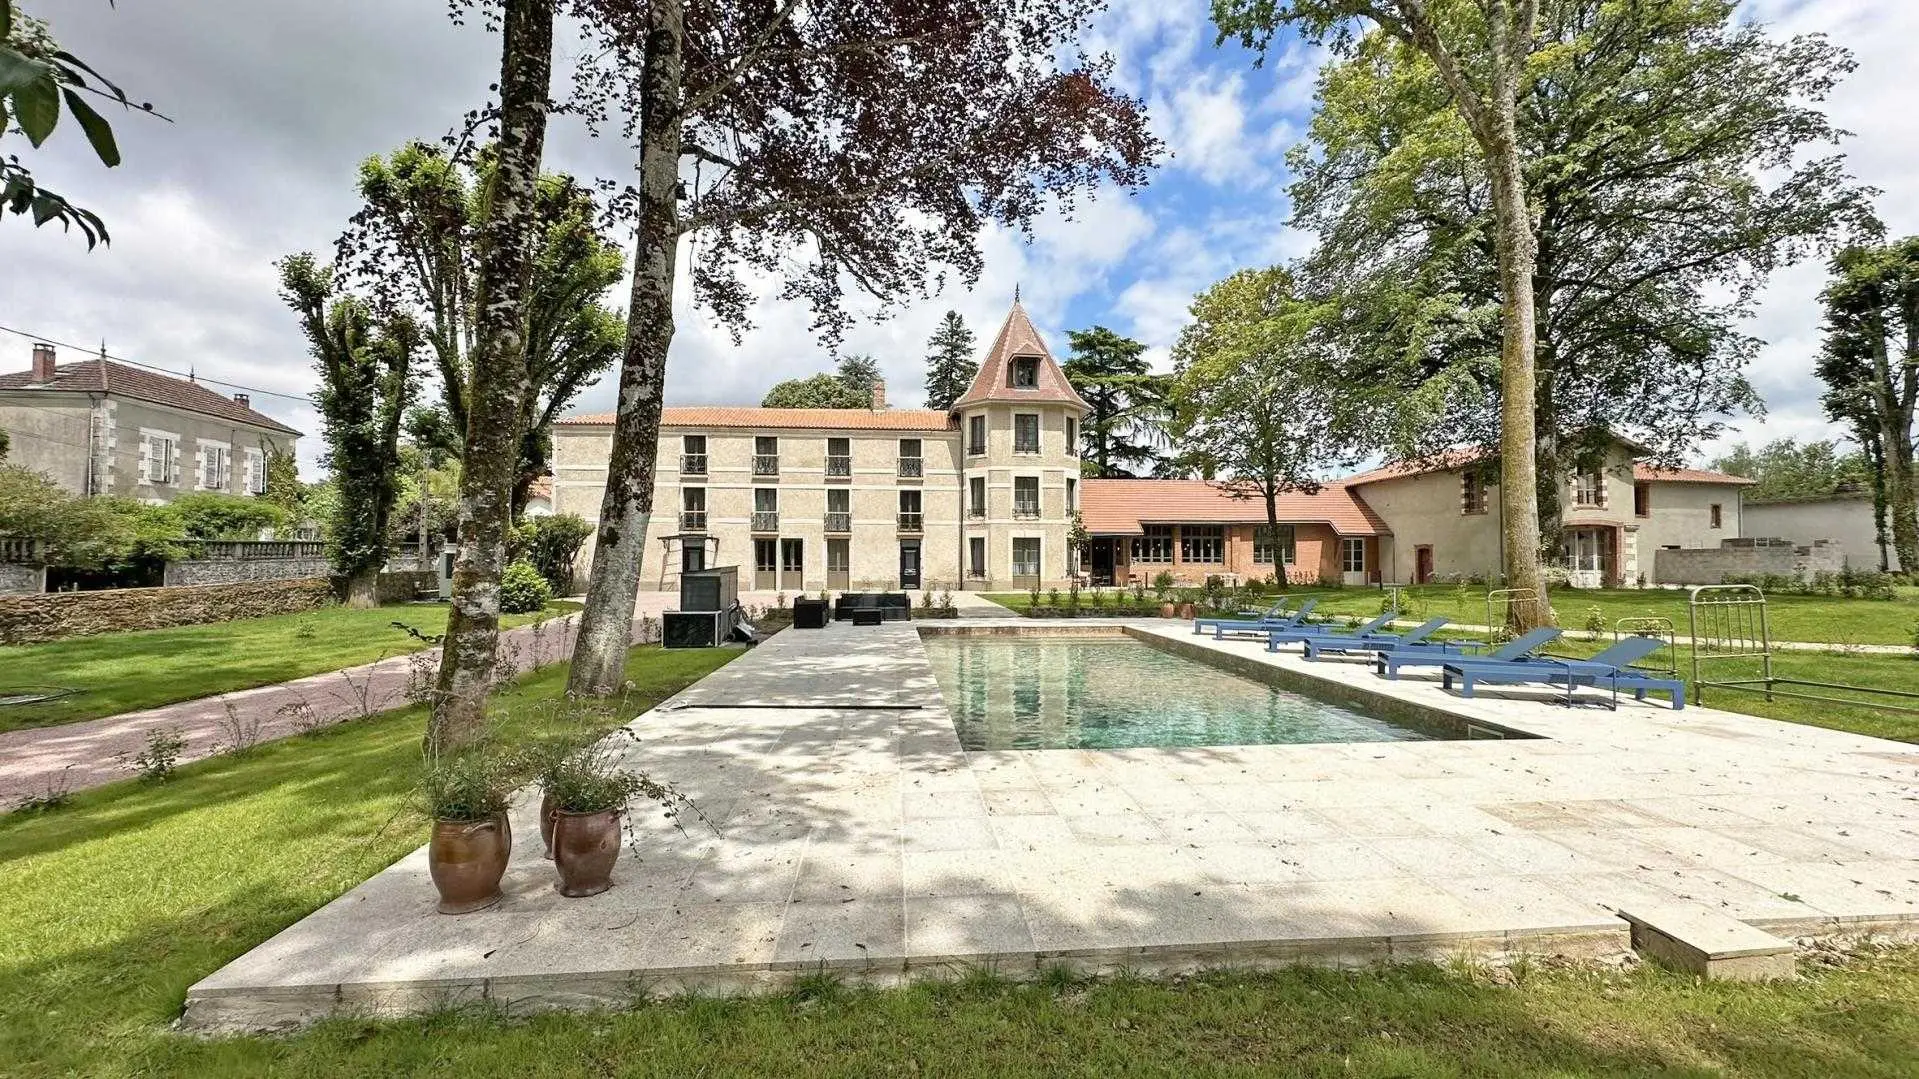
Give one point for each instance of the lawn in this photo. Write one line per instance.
(125, 672)
(112, 906)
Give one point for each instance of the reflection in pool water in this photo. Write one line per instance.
(1108, 693)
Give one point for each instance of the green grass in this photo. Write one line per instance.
(125, 672)
(111, 907)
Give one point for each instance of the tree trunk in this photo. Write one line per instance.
(497, 383)
(362, 588)
(1518, 469)
(1272, 536)
(599, 655)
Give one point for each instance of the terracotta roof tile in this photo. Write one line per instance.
(121, 380)
(1119, 507)
(1687, 475)
(788, 419)
(1017, 337)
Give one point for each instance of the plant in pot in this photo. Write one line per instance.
(466, 797)
(590, 793)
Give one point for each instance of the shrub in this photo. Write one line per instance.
(470, 786)
(1163, 583)
(216, 515)
(161, 756)
(552, 545)
(1595, 621)
(523, 589)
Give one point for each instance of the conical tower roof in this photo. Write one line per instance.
(994, 382)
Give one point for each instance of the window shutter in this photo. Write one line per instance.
(173, 462)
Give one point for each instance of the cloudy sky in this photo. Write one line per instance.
(275, 102)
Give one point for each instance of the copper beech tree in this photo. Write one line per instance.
(831, 145)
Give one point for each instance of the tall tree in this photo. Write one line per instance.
(951, 362)
(859, 376)
(1479, 51)
(1870, 365)
(1259, 399)
(499, 381)
(874, 140)
(416, 241)
(1632, 117)
(1125, 401)
(369, 368)
(38, 77)
(1787, 468)
(851, 385)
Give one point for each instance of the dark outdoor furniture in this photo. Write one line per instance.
(809, 613)
(892, 606)
(868, 616)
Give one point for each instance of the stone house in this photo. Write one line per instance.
(99, 427)
(981, 496)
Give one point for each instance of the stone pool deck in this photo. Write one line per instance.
(852, 834)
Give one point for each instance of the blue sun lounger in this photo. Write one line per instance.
(1382, 642)
(1610, 669)
(1221, 627)
(1276, 614)
(1438, 655)
(1296, 634)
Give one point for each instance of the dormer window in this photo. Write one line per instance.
(1025, 373)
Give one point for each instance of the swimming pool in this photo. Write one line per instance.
(1116, 693)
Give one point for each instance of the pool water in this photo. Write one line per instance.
(1111, 693)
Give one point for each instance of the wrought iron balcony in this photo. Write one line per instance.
(764, 521)
(766, 464)
(839, 522)
(838, 466)
(912, 522)
(976, 510)
(976, 449)
(692, 520)
(912, 467)
(692, 464)
(1026, 509)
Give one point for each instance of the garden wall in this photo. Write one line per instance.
(52, 616)
(17, 577)
(1746, 557)
(237, 571)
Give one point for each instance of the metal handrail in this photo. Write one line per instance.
(839, 522)
(692, 520)
(912, 522)
(912, 467)
(766, 521)
(693, 464)
(839, 464)
(766, 464)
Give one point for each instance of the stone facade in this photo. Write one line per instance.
(52, 616)
(1845, 519)
(17, 578)
(1746, 557)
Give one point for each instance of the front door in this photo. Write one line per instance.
(793, 565)
(1422, 565)
(909, 565)
(766, 565)
(1102, 552)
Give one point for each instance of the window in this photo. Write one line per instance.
(256, 472)
(911, 519)
(766, 509)
(839, 457)
(693, 558)
(1025, 433)
(693, 455)
(215, 466)
(1472, 492)
(1072, 496)
(1264, 545)
(1024, 373)
(1202, 543)
(1072, 437)
(1154, 545)
(976, 436)
(1026, 557)
(839, 556)
(1718, 519)
(693, 509)
(162, 457)
(1352, 554)
(976, 496)
(839, 500)
(793, 556)
(1589, 489)
(763, 555)
(1026, 496)
(1585, 549)
(766, 455)
(1642, 500)
(912, 465)
(976, 556)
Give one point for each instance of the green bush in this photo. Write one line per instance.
(523, 589)
(552, 545)
(216, 515)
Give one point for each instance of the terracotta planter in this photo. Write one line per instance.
(1167, 610)
(1187, 610)
(585, 846)
(466, 860)
(546, 826)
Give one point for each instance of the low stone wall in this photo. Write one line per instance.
(53, 616)
(237, 570)
(401, 586)
(1745, 557)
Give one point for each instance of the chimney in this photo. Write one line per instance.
(879, 395)
(43, 363)
(243, 400)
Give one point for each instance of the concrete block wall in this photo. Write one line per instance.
(1741, 557)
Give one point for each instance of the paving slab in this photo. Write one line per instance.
(852, 835)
